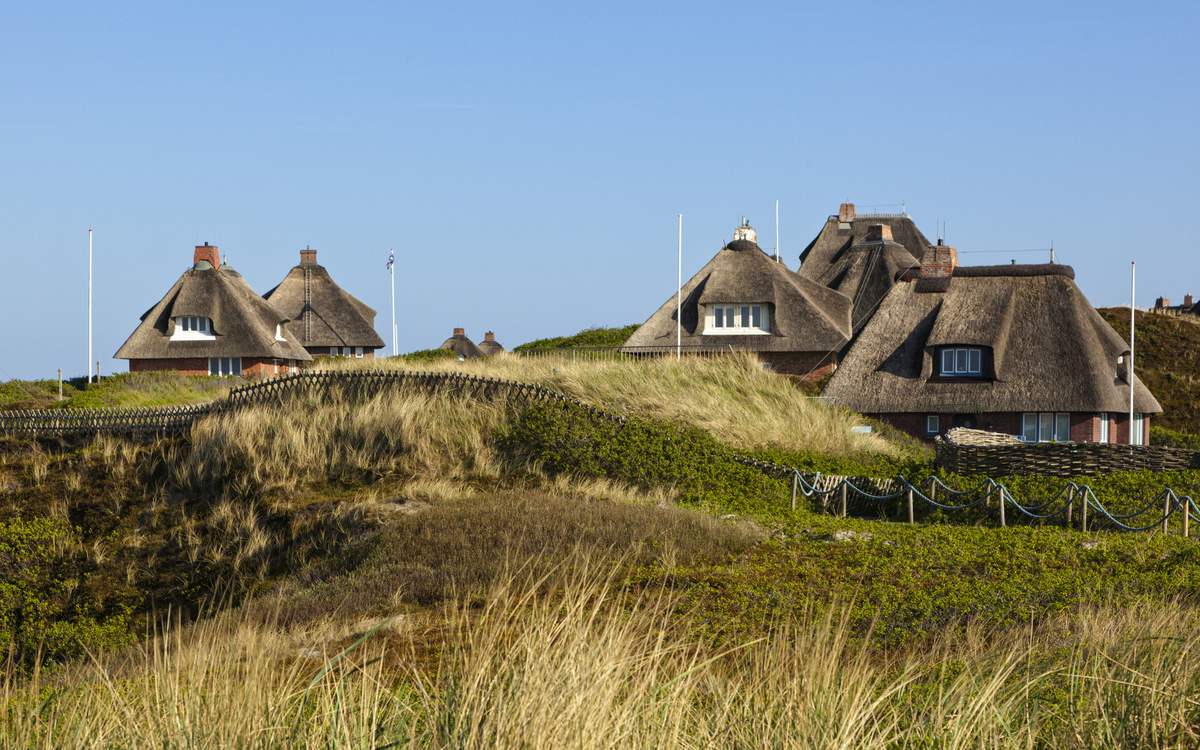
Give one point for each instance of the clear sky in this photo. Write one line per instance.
(528, 161)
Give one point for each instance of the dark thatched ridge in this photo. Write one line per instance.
(244, 323)
(462, 346)
(334, 317)
(842, 258)
(490, 347)
(804, 315)
(1051, 350)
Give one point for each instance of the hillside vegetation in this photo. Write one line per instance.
(1167, 359)
(586, 337)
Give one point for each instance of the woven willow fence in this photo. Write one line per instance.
(51, 422)
(1061, 459)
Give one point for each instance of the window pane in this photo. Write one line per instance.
(345, 351)
(1045, 427)
(931, 423)
(214, 366)
(947, 361)
(237, 366)
(1029, 428)
(719, 317)
(960, 360)
(730, 320)
(187, 323)
(1062, 427)
(976, 360)
(1102, 426)
(358, 352)
(1137, 429)
(204, 325)
(756, 316)
(333, 351)
(745, 316)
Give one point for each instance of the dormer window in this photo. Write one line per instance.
(279, 332)
(744, 320)
(962, 362)
(192, 328)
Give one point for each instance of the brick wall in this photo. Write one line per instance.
(811, 365)
(1085, 426)
(191, 366)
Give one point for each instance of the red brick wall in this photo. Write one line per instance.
(812, 365)
(182, 366)
(1085, 426)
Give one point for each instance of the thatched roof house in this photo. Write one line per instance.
(862, 255)
(461, 345)
(329, 320)
(212, 322)
(745, 299)
(489, 346)
(1013, 349)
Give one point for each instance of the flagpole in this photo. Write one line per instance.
(392, 268)
(88, 370)
(679, 297)
(1132, 296)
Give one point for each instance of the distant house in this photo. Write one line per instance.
(747, 300)
(461, 345)
(489, 346)
(328, 320)
(1015, 349)
(211, 322)
(1163, 306)
(862, 255)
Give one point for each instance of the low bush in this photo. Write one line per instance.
(1174, 438)
(587, 337)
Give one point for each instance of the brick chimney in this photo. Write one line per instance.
(1187, 300)
(745, 232)
(308, 255)
(1161, 302)
(939, 261)
(209, 253)
(489, 336)
(460, 332)
(878, 232)
(846, 213)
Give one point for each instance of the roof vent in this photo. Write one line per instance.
(308, 255)
(745, 232)
(206, 253)
(939, 261)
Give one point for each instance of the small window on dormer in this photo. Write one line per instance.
(962, 361)
(192, 328)
(737, 319)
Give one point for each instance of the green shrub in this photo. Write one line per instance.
(1174, 438)
(586, 337)
(429, 355)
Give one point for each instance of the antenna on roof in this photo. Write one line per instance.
(776, 231)
(903, 209)
(1052, 251)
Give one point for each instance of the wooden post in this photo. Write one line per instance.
(932, 489)
(795, 484)
(1070, 504)
(1002, 522)
(1083, 513)
(910, 505)
(1187, 516)
(1166, 511)
(844, 505)
(60, 384)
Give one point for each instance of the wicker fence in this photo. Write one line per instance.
(50, 422)
(1061, 459)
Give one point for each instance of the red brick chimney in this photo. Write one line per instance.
(1187, 300)
(209, 253)
(489, 336)
(308, 255)
(939, 261)
(1162, 302)
(879, 232)
(460, 332)
(846, 213)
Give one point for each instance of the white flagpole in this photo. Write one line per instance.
(88, 370)
(679, 297)
(393, 270)
(776, 231)
(1132, 297)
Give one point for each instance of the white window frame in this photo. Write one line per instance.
(1046, 427)
(962, 361)
(358, 352)
(333, 351)
(223, 366)
(933, 424)
(279, 332)
(1102, 418)
(345, 351)
(193, 328)
(1139, 429)
(730, 319)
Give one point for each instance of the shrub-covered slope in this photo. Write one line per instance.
(1167, 359)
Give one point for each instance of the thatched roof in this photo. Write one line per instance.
(244, 323)
(1050, 349)
(461, 345)
(844, 258)
(804, 316)
(333, 316)
(489, 346)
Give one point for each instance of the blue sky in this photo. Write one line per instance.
(528, 161)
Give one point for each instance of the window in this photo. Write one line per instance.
(192, 328)
(358, 352)
(737, 319)
(333, 351)
(225, 366)
(345, 351)
(1045, 427)
(962, 361)
(1138, 433)
(1102, 432)
(279, 332)
(932, 424)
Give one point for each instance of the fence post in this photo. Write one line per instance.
(1002, 521)
(910, 505)
(1166, 510)
(844, 498)
(1187, 514)
(60, 384)
(1083, 514)
(1070, 504)
(795, 485)
(933, 489)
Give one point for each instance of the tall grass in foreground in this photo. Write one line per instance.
(592, 666)
(730, 396)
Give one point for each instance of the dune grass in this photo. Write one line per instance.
(730, 396)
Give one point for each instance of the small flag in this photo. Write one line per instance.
(391, 259)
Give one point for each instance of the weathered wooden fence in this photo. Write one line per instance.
(1061, 459)
(50, 422)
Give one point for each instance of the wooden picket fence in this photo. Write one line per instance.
(1061, 459)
